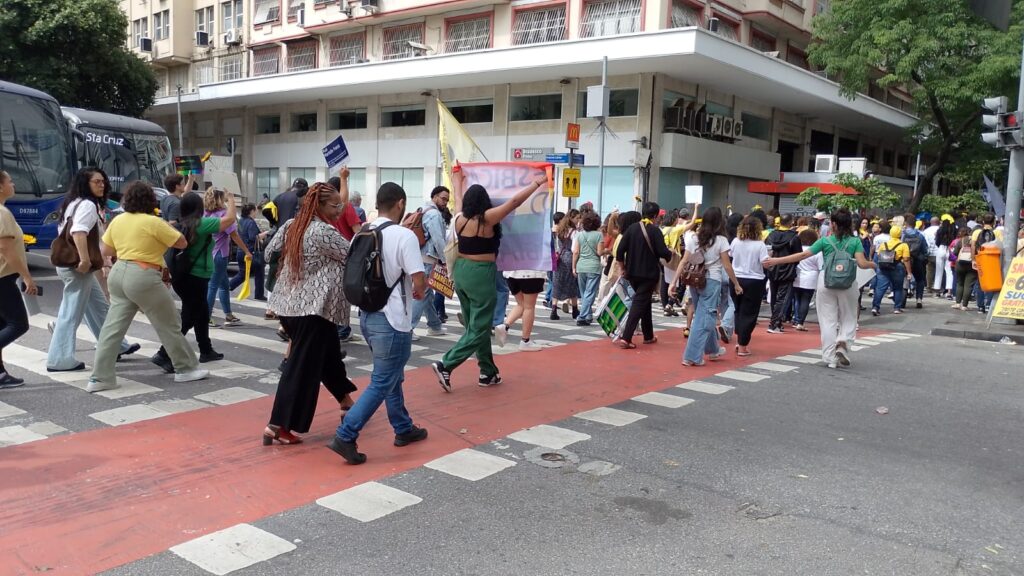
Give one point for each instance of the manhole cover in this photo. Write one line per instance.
(549, 458)
(552, 457)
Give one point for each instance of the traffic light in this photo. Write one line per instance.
(1005, 126)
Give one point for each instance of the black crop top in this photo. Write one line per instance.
(477, 245)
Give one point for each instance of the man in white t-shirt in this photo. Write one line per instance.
(389, 331)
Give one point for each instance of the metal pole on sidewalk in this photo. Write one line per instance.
(1014, 183)
(600, 153)
(181, 146)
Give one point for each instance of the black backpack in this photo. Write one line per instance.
(918, 247)
(179, 263)
(364, 282)
(783, 243)
(986, 235)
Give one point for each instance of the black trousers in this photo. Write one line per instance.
(315, 358)
(780, 297)
(640, 309)
(13, 316)
(919, 268)
(748, 306)
(195, 313)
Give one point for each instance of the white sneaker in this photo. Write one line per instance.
(51, 326)
(98, 386)
(501, 335)
(442, 331)
(530, 346)
(415, 336)
(191, 376)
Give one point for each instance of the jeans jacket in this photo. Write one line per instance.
(433, 225)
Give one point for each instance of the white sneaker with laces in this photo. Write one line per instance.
(415, 336)
(191, 376)
(530, 346)
(501, 335)
(98, 386)
(442, 331)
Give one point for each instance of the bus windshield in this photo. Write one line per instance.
(34, 145)
(127, 156)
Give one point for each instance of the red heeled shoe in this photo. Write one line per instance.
(272, 433)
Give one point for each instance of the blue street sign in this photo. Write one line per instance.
(577, 159)
(336, 152)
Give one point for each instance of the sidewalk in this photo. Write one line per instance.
(938, 318)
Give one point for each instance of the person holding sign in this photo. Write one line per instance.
(477, 226)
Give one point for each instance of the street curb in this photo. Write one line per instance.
(976, 335)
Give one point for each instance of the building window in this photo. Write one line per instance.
(756, 127)
(162, 25)
(620, 103)
(293, 9)
(468, 35)
(887, 157)
(204, 20)
(347, 49)
(233, 15)
(395, 116)
(762, 41)
(347, 119)
(307, 174)
(140, 30)
(472, 111)
(302, 56)
(685, 14)
(204, 72)
(303, 122)
(821, 6)
(902, 162)
(268, 124)
(869, 153)
(266, 61)
(610, 17)
(728, 29)
(410, 179)
(266, 182)
(797, 57)
(265, 11)
(397, 38)
(231, 67)
(540, 107)
(536, 26)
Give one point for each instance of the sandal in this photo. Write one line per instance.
(651, 341)
(626, 345)
(272, 433)
(686, 332)
(346, 404)
(282, 335)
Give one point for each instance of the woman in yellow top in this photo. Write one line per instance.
(893, 260)
(138, 240)
(13, 316)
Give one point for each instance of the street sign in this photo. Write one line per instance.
(572, 136)
(577, 159)
(336, 152)
(571, 183)
(531, 154)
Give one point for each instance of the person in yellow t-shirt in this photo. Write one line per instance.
(13, 315)
(893, 260)
(138, 240)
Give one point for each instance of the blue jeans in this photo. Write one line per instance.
(548, 286)
(83, 300)
(426, 305)
(439, 305)
(702, 327)
(588, 283)
(727, 307)
(502, 302)
(894, 279)
(219, 285)
(391, 350)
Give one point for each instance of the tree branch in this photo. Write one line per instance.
(933, 103)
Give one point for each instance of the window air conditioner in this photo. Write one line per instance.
(300, 17)
(855, 166)
(371, 6)
(202, 38)
(826, 163)
(232, 37)
(737, 129)
(146, 44)
(712, 24)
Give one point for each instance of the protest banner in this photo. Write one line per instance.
(1010, 303)
(335, 153)
(526, 233)
(457, 146)
(186, 165)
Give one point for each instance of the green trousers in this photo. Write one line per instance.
(132, 289)
(474, 283)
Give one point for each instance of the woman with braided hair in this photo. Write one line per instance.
(309, 300)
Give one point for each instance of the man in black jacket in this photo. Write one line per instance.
(783, 241)
(641, 250)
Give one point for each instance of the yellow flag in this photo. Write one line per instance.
(244, 292)
(456, 144)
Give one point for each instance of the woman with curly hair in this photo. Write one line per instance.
(566, 286)
(749, 253)
(477, 226)
(215, 204)
(137, 281)
(308, 299)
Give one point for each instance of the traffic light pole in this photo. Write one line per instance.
(1014, 185)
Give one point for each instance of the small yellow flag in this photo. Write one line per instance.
(244, 293)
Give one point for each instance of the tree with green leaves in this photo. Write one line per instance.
(947, 58)
(76, 51)
(871, 194)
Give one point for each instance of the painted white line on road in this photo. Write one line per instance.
(664, 400)
(864, 341)
(583, 337)
(237, 337)
(178, 405)
(234, 548)
(898, 336)
(35, 361)
(742, 376)
(470, 464)
(8, 410)
(705, 387)
(46, 428)
(231, 395)
(856, 348)
(368, 502)
(879, 339)
(13, 435)
(612, 416)
(812, 351)
(799, 359)
(907, 334)
(773, 367)
(128, 414)
(549, 436)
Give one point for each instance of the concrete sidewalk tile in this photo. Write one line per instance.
(664, 400)
(548, 436)
(772, 367)
(705, 387)
(610, 416)
(227, 396)
(742, 376)
(369, 501)
(470, 464)
(234, 548)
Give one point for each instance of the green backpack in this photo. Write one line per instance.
(840, 268)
